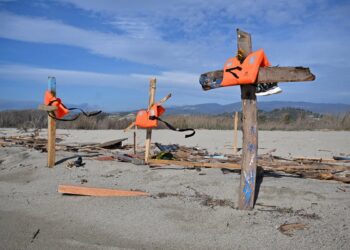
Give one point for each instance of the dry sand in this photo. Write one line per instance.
(186, 209)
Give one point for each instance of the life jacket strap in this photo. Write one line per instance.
(173, 128)
(52, 115)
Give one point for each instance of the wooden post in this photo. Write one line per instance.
(135, 142)
(250, 132)
(152, 91)
(235, 139)
(51, 128)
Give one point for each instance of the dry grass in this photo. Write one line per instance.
(282, 119)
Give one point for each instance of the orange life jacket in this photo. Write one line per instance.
(146, 118)
(50, 100)
(237, 73)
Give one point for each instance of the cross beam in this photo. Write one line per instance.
(274, 74)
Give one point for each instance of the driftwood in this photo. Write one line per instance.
(193, 164)
(39, 143)
(288, 229)
(103, 192)
(315, 168)
(192, 157)
(112, 144)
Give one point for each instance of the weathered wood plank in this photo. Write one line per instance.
(129, 127)
(250, 132)
(193, 164)
(275, 74)
(103, 192)
(165, 98)
(235, 133)
(47, 108)
(284, 74)
(267, 166)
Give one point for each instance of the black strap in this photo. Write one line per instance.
(52, 114)
(173, 128)
(230, 70)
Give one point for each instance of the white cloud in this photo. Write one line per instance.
(148, 50)
(182, 79)
(72, 77)
(200, 14)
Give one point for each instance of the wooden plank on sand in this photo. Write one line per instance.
(193, 164)
(103, 192)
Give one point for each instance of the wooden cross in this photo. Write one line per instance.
(151, 102)
(249, 118)
(250, 124)
(152, 93)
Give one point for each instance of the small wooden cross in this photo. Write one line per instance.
(51, 126)
(249, 118)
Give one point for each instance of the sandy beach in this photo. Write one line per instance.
(186, 208)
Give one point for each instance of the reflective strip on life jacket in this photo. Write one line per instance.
(237, 73)
(50, 100)
(145, 118)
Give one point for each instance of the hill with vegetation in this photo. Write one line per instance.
(277, 119)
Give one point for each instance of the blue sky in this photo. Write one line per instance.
(104, 52)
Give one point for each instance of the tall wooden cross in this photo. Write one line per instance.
(51, 125)
(249, 117)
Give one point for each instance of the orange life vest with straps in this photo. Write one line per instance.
(237, 73)
(147, 118)
(51, 100)
(150, 118)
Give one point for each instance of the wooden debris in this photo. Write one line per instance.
(342, 158)
(70, 164)
(82, 181)
(112, 144)
(129, 127)
(129, 158)
(35, 235)
(39, 143)
(194, 157)
(195, 164)
(314, 159)
(102, 192)
(188, 157)
(104, 158)
(288, 229)
(345, 179)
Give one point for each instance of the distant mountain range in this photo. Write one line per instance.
(206, 108)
